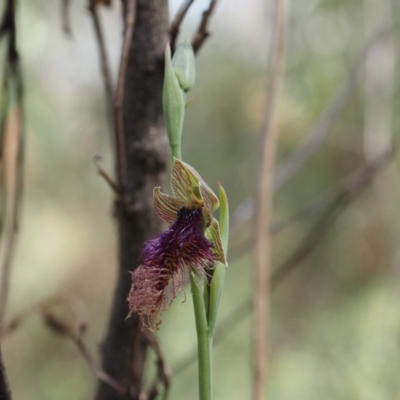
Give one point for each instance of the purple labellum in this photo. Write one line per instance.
(164, 263)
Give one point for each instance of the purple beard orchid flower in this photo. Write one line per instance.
(192, 241)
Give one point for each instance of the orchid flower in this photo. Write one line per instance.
(191, 243)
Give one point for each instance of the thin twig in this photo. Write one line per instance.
(75, 305)
(63, 329)
(73, 331)
(14, 76)
(104, 64)
(325, 122)
(346, 192)
(176, 23)
(163, 369)
(119, 96)
(379, 108)
(202, 32)
(264, 195)
(312, 208)
(320, 129)
(355, 185)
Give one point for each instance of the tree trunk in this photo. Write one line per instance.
(146, 152)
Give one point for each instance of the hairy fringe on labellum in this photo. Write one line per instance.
(165, 261)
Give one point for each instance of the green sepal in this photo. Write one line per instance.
(173, 105)
(224, 219)
(218, 278)
(183, 63)
(214, 236)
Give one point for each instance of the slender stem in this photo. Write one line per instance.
(176, 151)
(204, 334)
(204, 339)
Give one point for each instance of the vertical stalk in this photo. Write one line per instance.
(204, 339)
(204, 335)
(264, 203)
(176, 151)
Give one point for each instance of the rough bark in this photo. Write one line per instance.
(4, 390)
(146, 151)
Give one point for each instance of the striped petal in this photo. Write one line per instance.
(184, 179)
(213, 234)
(166, 207)
(210, 199)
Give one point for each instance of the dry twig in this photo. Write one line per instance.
(321, 127)
(63, 329)
(119, 95)
(163, 369)
(329, 116)
(12, 185)
(264, 195)
(104, 64)
(73, 331)
(176, 23)
(116, 189)
(202, 32)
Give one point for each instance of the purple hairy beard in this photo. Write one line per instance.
(165, 261)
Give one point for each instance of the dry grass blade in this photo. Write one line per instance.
(202, 32)
(264, 196)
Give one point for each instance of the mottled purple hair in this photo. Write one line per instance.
(164, 263)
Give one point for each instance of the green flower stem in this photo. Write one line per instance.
(176, 151)
(174, 109)
(204, 338)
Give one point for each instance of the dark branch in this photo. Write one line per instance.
(202, 32)
(4, 389)
(142, 154)
(130, 18)
(105, 65)
(176, 23)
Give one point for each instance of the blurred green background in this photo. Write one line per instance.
(336, 319)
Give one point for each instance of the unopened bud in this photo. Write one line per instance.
(173, 104)
(184, 65)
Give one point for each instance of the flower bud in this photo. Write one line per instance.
(184, 65)
(173, 104)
